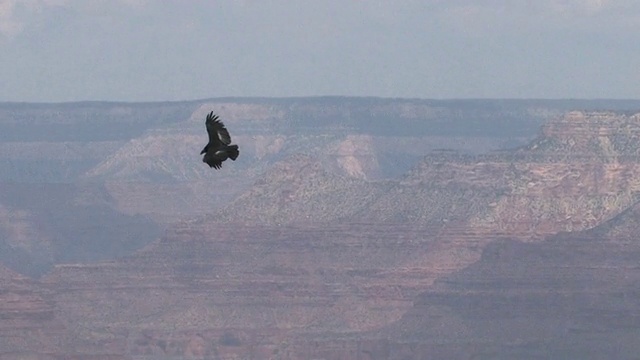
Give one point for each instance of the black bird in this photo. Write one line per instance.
(219, 147)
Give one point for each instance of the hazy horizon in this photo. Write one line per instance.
(143, 50)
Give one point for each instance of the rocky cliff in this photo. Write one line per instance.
(140, 162)
(508, 254)
(355, 291)
(28, 323)
(573, 295)
(582, 170)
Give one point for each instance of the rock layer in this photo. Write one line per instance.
(515, 254)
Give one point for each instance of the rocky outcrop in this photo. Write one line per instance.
(355, 156)
(146, 158)
(27, 316)
(582, 171)
(300, 189)
(147, 151)
(346, 291)
(563, 181)
(356, 138)
(572, 295)
(320, 258)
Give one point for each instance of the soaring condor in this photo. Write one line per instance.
(219, 147)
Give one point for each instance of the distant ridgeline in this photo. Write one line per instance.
(104, 121)
(62, 142)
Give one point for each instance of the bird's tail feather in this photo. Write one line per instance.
(233, 152)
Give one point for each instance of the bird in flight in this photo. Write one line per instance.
(219, 147)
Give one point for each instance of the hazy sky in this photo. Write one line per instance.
(137, 50)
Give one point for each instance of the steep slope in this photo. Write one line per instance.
(345, 291)
(572, 295)
(146, 157)
(210, 282)
(28, 324)
(302, 188)
(357, 138)
(146, 151)
(582, 170)
(299, 189)
(319, 258)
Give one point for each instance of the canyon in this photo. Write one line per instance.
(349, 228)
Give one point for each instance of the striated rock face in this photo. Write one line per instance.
(583, 170)
(248, 291)
(322, 255)
(563, 181)
(570, 296)
(342, 292)
(297, 277)
(369, 139)
(99, 180)
(27, 321)
(145, 151)
(301, 189)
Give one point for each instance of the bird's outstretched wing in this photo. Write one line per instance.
(218, 134)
